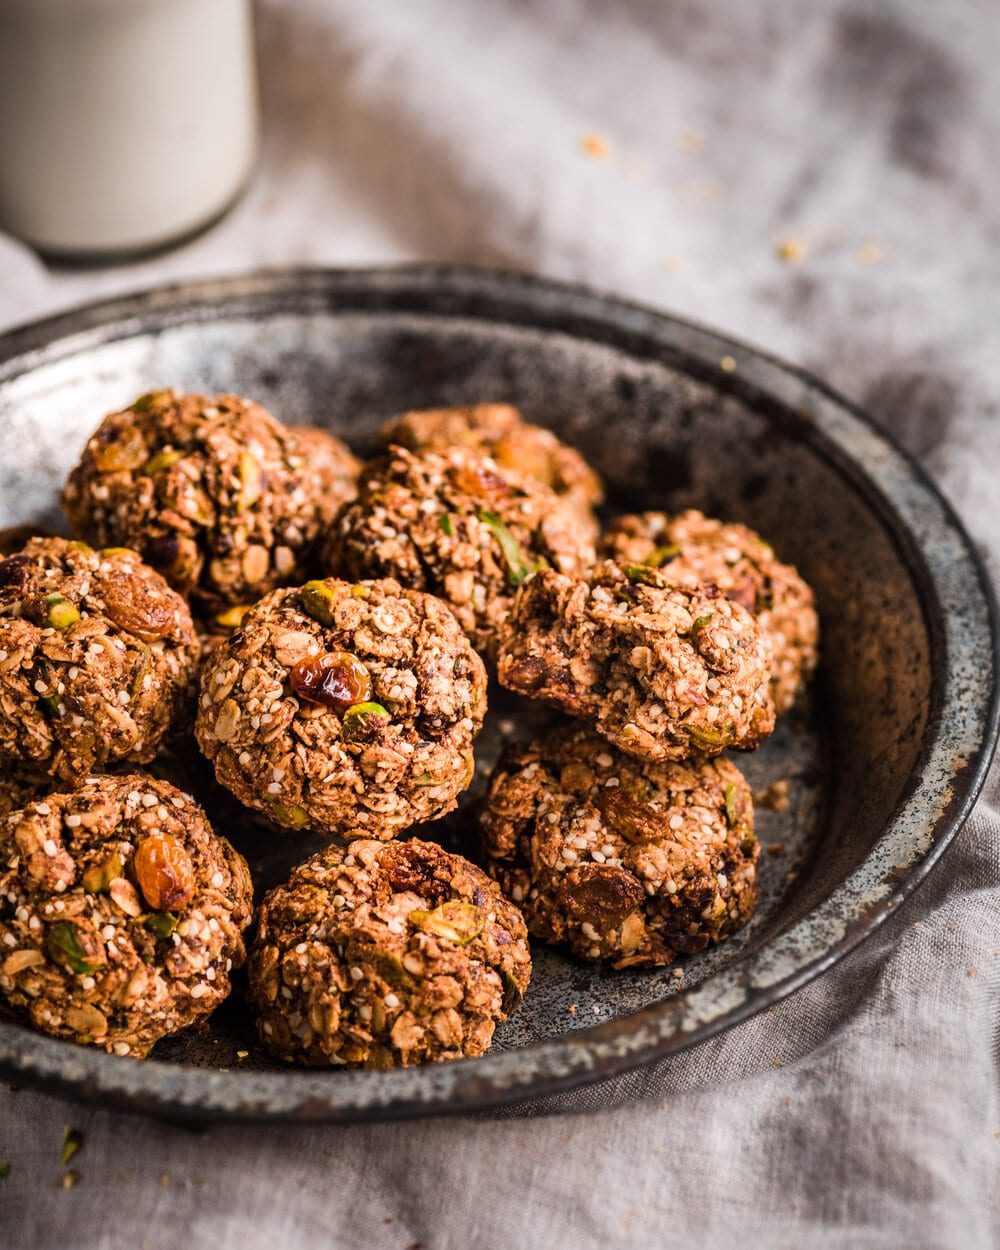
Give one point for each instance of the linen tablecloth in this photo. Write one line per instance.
(820, 179)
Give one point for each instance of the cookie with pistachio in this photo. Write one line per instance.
(694, 549)
(96, 657)
(455, 525)
(620, 860)
(382, 955)
(662, 671)
(216, 494)
(121, 913)
(347, 708)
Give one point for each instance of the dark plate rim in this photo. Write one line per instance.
(958, 742)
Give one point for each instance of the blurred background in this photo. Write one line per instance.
(818, 178)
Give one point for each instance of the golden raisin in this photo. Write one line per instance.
(336, 679)
(134, 606)
(479, 481)
(164, 872)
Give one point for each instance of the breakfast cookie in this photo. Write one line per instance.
(694, 549)
(618, 859)
(386, 955)
(345, 708)
(218, 496)
(96, 657)
(663, 672)
(121, 913)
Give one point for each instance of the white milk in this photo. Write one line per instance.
(124, 124)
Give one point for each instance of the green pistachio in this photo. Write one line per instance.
(517, 569)
(72, 1141)
(732, 806)
(160, 923)
(711, 737)
(446, 526)
(97, 880)
(162, 460)
(364, 722)
(317, 600)
(292, 816)
(152, 399)
(65, 948)
(662, 555)
(641, 573)
(62, 613)
(391, 970)
(512, 994)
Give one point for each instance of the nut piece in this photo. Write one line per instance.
(344, 708)
(94, 965)
(221, 498)
(693, 550)
(385, 955)
(620, 860)
(660, 671)
(164, 872)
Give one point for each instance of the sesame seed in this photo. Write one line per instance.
(87, 983)
(120, 1048)
(199, 990)
(676, 821)
(217, 879)
(604, 760)
(391, 1001)
(357, 974)
(108, 932)
(177, 800)
(43, 809)
(149, 800)
(124, 697)
(301, 948)
(274, 788)
(49, 847)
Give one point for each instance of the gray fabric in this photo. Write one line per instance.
(863, 1111)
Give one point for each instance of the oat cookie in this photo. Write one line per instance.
(619, 859)
(121, 913)
(345, 708)
(694, 549)
(661, 671)
(218, 496)
(386, 955)
(501, 432)
(96, 655)
(451, 523)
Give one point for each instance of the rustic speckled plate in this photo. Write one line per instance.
(884, 764)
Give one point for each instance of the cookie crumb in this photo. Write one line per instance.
(595, 146)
